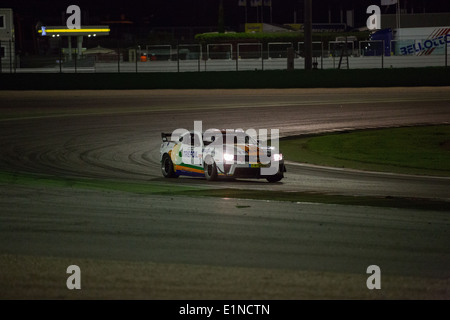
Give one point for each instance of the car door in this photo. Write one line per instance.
(189, 156)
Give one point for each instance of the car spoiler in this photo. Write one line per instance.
(166, 136)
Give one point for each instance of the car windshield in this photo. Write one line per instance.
(238, 138)
(231, 138)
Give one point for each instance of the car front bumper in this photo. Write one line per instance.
(248, 170)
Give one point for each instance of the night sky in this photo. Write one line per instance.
(159, 13)
(146, 16)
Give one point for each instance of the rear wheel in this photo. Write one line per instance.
(167, 167)
(210, 170)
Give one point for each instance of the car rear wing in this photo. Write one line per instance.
(166, 136)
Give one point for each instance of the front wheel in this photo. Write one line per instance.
(275, 178)
(279, 175)
(167, 167)
(210, 171)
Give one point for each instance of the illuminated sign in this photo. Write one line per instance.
(73, 26)
(426, 45)
(83, 31)
(253, 27)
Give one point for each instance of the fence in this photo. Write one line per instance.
(228, 57)
(8, 61)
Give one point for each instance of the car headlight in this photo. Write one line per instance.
(228, 157)
(277, 157)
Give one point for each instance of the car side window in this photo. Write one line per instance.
(186, 139)
(196, 140)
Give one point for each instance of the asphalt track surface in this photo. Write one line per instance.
(115, 136)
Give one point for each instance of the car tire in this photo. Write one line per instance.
(278, 176)
(167, 167)
(275, 178)
(210, 171)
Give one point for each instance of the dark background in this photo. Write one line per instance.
(147, 19)
(157, 13)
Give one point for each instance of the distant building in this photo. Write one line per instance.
(7, 46)
(415, 20)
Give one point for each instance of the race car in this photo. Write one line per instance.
(220, 153)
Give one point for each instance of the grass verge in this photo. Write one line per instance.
(423, 150)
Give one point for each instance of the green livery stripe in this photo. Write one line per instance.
(188, 167)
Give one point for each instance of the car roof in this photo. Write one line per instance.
(223, 131)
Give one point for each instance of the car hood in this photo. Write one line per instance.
(252, 150)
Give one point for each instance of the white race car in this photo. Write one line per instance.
(222, 153)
